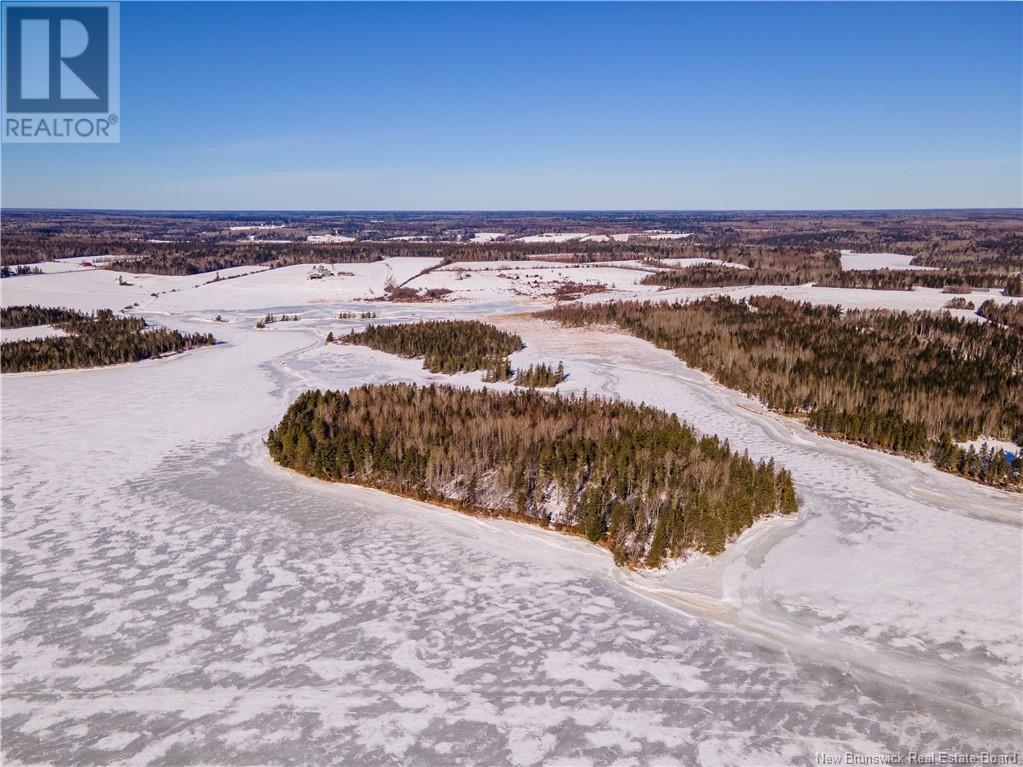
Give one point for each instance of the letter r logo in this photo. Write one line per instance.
(57, 58)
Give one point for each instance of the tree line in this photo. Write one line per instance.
(904, 382)
(1008, 314)
(629, 476)
(449, 346)
(870, 279)
(989, 465)
(21, 270)
(33, 315)
(94, 340)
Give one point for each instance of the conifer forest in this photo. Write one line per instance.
(911, 383)
(633, 478)
(92, 340)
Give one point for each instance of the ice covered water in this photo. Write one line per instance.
(210, 611)
(170, 596)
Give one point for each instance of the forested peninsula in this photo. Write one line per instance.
(627, 476)
(913, 383)
(93, 340)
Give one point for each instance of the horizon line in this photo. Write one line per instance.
(20, 209)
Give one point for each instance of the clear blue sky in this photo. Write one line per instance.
(551, 106)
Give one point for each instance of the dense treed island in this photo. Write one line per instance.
(630, 476)
(450, 346)
(93, 340)
(540, 376)
(908, 383)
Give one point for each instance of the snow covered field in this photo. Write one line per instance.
(170, 596)
(992, 444)
(329, 238)
(650, 234)
(26, 334)
(687, 262)
(488, 281)
(553, 237)
(858, 261)
(655, 234)
(928, 299)
(482, 237)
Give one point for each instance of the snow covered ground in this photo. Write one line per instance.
(63, 265)
(25, 334)
(858, 261)
(686, 262)
(482, 237)
(329, 238)
(553, 237)
(489, 281)
(257, 288)
(650, 234)
(993, 444)
(656, 234)
(170, 596)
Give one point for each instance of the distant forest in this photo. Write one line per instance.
(451, 346)
(182, 258)
(908, 383)
(630, 477)
(870, 279)
(984, 253)
(94, 340)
